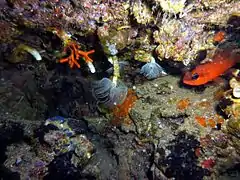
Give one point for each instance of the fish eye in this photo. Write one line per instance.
(195, 76)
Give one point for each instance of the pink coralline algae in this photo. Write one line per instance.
(208, 163)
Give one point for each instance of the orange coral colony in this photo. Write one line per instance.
(212, 122)
(219, 36)
(183, 104)
(121, 111)
(201, 121)
(75, 55)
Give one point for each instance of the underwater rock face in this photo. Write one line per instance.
(21, 160)
(181, 41)
(8, 32)
(233, 127)
(181, 161)
(158, 129)
(65, 139)
(113, 40)
(168, 116)
(142, 12)
(19, 96)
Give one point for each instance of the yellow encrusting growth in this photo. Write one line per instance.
(116, 72)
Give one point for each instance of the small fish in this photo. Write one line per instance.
(203, 73)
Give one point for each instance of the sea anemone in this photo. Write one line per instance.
(109, 94)
(152, 70)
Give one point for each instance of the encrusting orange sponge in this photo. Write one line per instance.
(121, 111)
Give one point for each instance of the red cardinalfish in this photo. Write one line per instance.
(203, 73)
